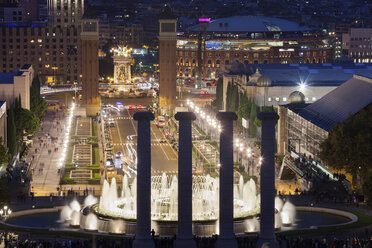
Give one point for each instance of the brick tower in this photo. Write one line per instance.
(89, 45)
(167, 62)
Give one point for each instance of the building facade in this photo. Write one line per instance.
(65, 13)
(303, 127)
(261, 40)
(52, 49)
(273, 84)
(15, 84)
(53, 52)
(357, 44)
(3, 130)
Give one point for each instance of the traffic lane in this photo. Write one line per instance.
(157, 135)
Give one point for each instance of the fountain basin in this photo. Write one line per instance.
(306, 218)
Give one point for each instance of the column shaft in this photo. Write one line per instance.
(185, 236)
(226, 218)
(267, 217)
(143, 228)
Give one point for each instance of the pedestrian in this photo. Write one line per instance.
(153, 233)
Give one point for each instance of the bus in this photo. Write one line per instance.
(161, 122)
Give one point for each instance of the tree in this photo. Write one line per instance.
(252, 118)
(19, 101)
(234, 99)
(26, 122)
(38, 105)
(11, 132)
(348, 145)
(219, 93)
(4, 156)
(228, 96)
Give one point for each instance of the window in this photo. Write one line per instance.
(277, 99)
(284, 99)
(269, 99)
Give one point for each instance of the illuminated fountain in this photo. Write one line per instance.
(116, 214)
(119, 213)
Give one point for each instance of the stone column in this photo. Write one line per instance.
(226, 218)
(185, 237)
(267, 182)
(143, 228)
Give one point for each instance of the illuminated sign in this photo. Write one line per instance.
(204, 19)
(286, 50)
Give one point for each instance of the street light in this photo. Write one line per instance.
(5, 211)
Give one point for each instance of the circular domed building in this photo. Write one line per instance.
(264, 81)
(296, 97)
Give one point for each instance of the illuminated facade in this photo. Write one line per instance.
(65, 13)
(259, 40)
(53, 52)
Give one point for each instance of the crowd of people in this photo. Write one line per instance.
(10, 240)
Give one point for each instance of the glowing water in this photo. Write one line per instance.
(164, 198)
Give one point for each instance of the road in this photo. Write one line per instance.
(163, 157)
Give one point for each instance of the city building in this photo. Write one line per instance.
(52, 50)
(15, 84)
(357, 44)
(3, 130)
(302, 127)
(66, 13)
(248, 40)
(272, 84)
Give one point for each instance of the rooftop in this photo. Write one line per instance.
(346, 100)
(307, 74)
(7, 78)
(242, 24)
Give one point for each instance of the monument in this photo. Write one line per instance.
(122, 61)
(167, 62)
(89, 44)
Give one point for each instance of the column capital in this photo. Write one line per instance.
(227, 116)
(147, 115)
(184, 116)
(268, 115)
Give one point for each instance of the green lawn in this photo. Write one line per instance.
(94, 127)
(95, 159)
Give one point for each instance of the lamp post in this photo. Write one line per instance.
(5, 211)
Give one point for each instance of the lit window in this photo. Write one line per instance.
(306, 99)
(47, 66)
(314, 99)
(32, 41)
(39, 40)
(277, 99)
(269, 99)
(284, 99)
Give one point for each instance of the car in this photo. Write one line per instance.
(130, 107)
(139, 106)
(163, 140)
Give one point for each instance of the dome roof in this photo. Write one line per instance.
(264, 81)
(296, 97)
(243, 24)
